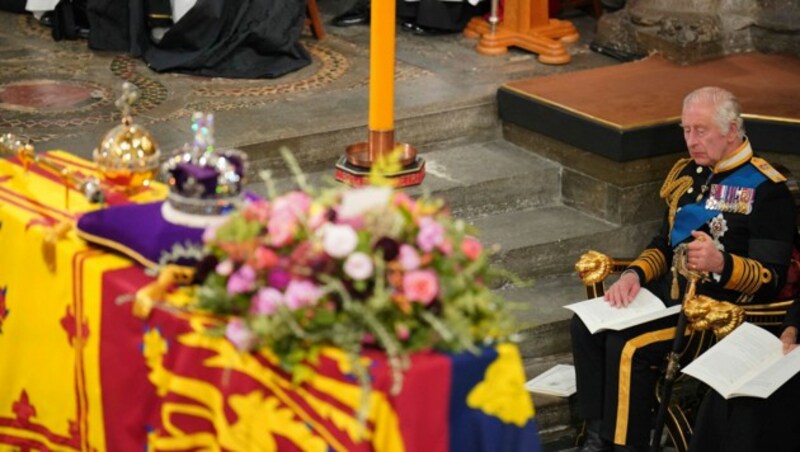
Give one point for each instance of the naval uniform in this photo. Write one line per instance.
(745, 206)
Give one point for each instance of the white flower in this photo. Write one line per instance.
(339, 240)
(358, 266)
(357, 201)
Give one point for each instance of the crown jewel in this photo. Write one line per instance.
(127, 155)
(204, 182)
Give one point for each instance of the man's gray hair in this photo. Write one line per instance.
(726, 106)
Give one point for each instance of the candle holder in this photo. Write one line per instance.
(353, 168)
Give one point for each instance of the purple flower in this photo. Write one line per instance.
(279, 278)
(242, 280)
(431, 234)
(266, 301)
(237, 332)
(301, 293)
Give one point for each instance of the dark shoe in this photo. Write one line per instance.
(618, 448)
(357, 15)
(47, 19)
(594, 442)
(419, 30)
(408, 25)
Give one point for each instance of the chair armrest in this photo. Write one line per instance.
(594, 267)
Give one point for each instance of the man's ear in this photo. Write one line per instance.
(733, 132)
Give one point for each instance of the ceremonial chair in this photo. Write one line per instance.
(595, 268)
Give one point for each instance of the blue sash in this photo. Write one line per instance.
(692, 216)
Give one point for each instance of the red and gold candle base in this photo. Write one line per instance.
(354, 167)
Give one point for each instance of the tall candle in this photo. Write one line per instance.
(381, 65)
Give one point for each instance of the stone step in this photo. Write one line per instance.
(542, 321)
(474, 122)
(549, 240)
(474, 178)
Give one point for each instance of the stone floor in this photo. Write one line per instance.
(61, 94)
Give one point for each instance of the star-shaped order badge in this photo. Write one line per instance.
(718, 227)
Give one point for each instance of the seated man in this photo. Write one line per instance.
(736, 214)
(749, 424)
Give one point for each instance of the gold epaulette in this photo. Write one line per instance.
(767, 169)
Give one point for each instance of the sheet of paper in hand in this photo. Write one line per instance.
(748, 363)
(598, 315)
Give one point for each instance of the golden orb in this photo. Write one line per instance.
(128, 155)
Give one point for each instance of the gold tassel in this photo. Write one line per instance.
(147, 297)
(51, 238)
(675, 290)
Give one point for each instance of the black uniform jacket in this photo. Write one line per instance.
(753, 229)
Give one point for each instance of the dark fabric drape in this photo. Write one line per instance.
(118, 26)
(14, 6)
(246, 39)
(216, 38)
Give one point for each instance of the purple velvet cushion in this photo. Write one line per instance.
(136, 230)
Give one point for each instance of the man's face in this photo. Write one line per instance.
(706, 142)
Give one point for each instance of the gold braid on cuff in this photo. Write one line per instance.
(747, 275)
(652, 262)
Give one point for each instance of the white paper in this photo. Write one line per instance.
(559, 380)
(598, 315)
(748, 362)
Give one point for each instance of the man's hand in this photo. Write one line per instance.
(703, 254)
(622, 292)
(789, 339)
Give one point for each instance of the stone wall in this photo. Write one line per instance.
(685, 31)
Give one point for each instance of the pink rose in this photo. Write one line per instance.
(408, 257)
(242, 280)
(266, 301)
(237, 332)
(300, 294)
(294, 204)
(421, 286)
(256, 211)
(471, 247)
(281, 228)
(265, 258)
(431, 234)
